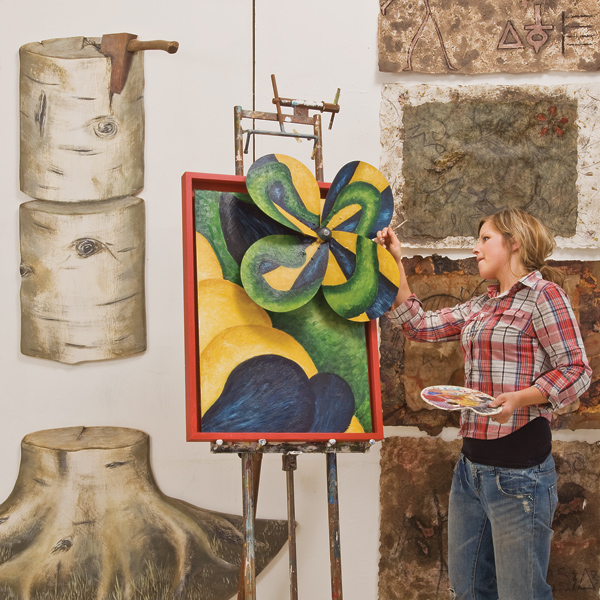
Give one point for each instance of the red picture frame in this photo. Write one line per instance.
(191, 182)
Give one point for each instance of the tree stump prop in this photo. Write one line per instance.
(86, 520)
(79, 141)
(82, 279)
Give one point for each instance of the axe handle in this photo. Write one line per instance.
(137, 45)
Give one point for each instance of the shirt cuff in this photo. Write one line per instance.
(549, 392)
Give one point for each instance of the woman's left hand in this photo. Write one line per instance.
(509, 402)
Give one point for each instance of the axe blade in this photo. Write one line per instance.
(115, 46)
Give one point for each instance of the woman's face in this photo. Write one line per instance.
(492, 253)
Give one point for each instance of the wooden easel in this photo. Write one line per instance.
(300, 116)
(251, 454)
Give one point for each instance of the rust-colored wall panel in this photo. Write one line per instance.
(416, 475)
(407, 367)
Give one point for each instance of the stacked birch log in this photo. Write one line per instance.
(83, 235)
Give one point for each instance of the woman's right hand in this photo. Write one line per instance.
(387, 239)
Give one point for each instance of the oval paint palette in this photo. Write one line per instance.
(453, 397)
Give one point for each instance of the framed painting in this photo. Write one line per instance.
(303, 375)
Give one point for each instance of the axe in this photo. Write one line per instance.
(120, 47)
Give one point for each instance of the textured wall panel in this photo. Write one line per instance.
(407, 367)
(474, 36)
(456, 154)
(416, 475)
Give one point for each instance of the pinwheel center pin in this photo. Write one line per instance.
(324, 233)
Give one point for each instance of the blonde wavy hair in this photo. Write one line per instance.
(536, 243)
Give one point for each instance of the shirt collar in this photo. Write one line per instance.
(528, 280)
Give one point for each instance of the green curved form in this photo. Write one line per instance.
(271, 186)
(352, 298)
(283, 272)
(366, 201)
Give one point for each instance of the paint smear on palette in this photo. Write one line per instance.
(454, 397)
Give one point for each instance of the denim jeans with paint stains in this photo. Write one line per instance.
(499, 531)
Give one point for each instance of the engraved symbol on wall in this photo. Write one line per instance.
(471, 36)
(383, 4)
(428, 15)
(576, 31)
(536, 38)
(510, 39)
(537, 35)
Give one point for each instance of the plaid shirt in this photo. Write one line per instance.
(511, 341)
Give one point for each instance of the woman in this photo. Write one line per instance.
(522, 345)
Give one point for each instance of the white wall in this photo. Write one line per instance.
(313, 47)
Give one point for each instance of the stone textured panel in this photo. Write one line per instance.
(574, 571)
(454, 155)
(475, 36)
(414, 487)
(416, 475)
(407, 367)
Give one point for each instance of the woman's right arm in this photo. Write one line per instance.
(389, 240)
(436, 326)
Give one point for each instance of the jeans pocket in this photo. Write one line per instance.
(516, 484)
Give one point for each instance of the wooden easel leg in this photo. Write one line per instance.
(335, 557)
(238, 140)
(251, 465)
(318, 149)
(289, 466)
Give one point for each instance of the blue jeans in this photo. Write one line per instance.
(499, 531)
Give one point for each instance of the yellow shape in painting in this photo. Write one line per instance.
(235, 345)
(305, 183)
(355, 426)
(283, 278)
(360, 319)
(368, 173)
(388, 266)
(334, 274)
(223, 304)
(346, 239)
(343, 215)
(299, 224)
(207, 263)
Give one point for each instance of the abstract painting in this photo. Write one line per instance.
(455, 154)
(416, 474)
(467, 37)
(304, 372)
(86, 520)
(407, 366)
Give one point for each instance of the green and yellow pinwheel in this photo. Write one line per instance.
(329, 243)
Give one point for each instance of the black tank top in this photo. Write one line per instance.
(526, 447)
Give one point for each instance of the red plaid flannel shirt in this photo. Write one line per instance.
(526, 336)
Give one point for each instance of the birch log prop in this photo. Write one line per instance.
(78, 140)
(86, 521)
(82, 279)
